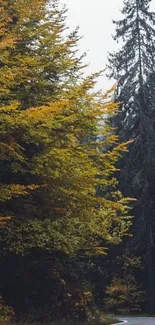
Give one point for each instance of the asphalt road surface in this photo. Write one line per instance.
(138, 320)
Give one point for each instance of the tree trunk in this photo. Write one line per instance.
(151, 282)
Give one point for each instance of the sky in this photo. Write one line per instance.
(94, 17)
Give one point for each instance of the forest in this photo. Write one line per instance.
(77, 173)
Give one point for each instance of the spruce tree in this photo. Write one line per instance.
(42, 62)
(45, 140)
(133, 67)
(49, 125)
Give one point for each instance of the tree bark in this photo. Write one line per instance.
(151, 281)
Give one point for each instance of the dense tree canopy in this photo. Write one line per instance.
(133, 67)
(58, 184)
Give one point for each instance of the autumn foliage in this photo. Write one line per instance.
(57, 161)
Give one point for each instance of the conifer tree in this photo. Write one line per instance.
(50, 161)
(132, 64)
(133, 67)
(46, 141)
(42, 62)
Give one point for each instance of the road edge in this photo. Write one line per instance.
(121, 322)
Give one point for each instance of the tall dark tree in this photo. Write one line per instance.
(133, 67)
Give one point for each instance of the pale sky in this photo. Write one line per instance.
(94, 17)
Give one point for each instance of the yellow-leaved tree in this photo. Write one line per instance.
(57, 161)
(49, 127)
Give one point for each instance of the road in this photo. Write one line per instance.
(138, 320)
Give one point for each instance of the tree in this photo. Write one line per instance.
(49, 125)
(9, 152)
(56, 136)
(123, 293)
(50, 139)
(133, 67)
(42, 62)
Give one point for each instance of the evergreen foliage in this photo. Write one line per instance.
(133, 67)
(50, 164)
(132, 63)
